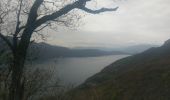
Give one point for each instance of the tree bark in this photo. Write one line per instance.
(17, 70)
(16, 88)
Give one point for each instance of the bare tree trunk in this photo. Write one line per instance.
(16, 89)
(16, 84)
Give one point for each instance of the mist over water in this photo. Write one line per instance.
(74, 71)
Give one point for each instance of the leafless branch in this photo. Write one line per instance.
(17, 29)
(56, 14)
(80, 4)
(6, 41)
(21, 28)
(99, 10)
(18, 19)
(46, 25)
(33, 12)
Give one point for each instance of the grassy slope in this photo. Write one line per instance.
(145, 76)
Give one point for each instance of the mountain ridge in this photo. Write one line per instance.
(52, 51)
(144, 76)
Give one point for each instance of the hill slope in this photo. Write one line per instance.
(44, 51)
(145, 76)
(47, 51)
(137, 48)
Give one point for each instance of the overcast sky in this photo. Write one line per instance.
(135, 22)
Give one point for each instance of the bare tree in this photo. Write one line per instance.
(23, 18)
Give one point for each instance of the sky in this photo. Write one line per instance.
(135, 22)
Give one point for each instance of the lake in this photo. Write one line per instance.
(76, 70)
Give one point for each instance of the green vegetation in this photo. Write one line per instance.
(144, 76)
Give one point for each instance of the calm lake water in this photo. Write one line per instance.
(75, 71)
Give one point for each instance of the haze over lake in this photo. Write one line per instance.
(75, 70)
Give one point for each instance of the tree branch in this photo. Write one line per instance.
(21, 28)
(80, 4)
(98, 11)
(57, 14)
(6, 41)
(30, 25)
(42, 27)
(33, 12)
(17, 29)
(18, 19)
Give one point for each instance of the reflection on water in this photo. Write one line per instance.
(77, 70)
